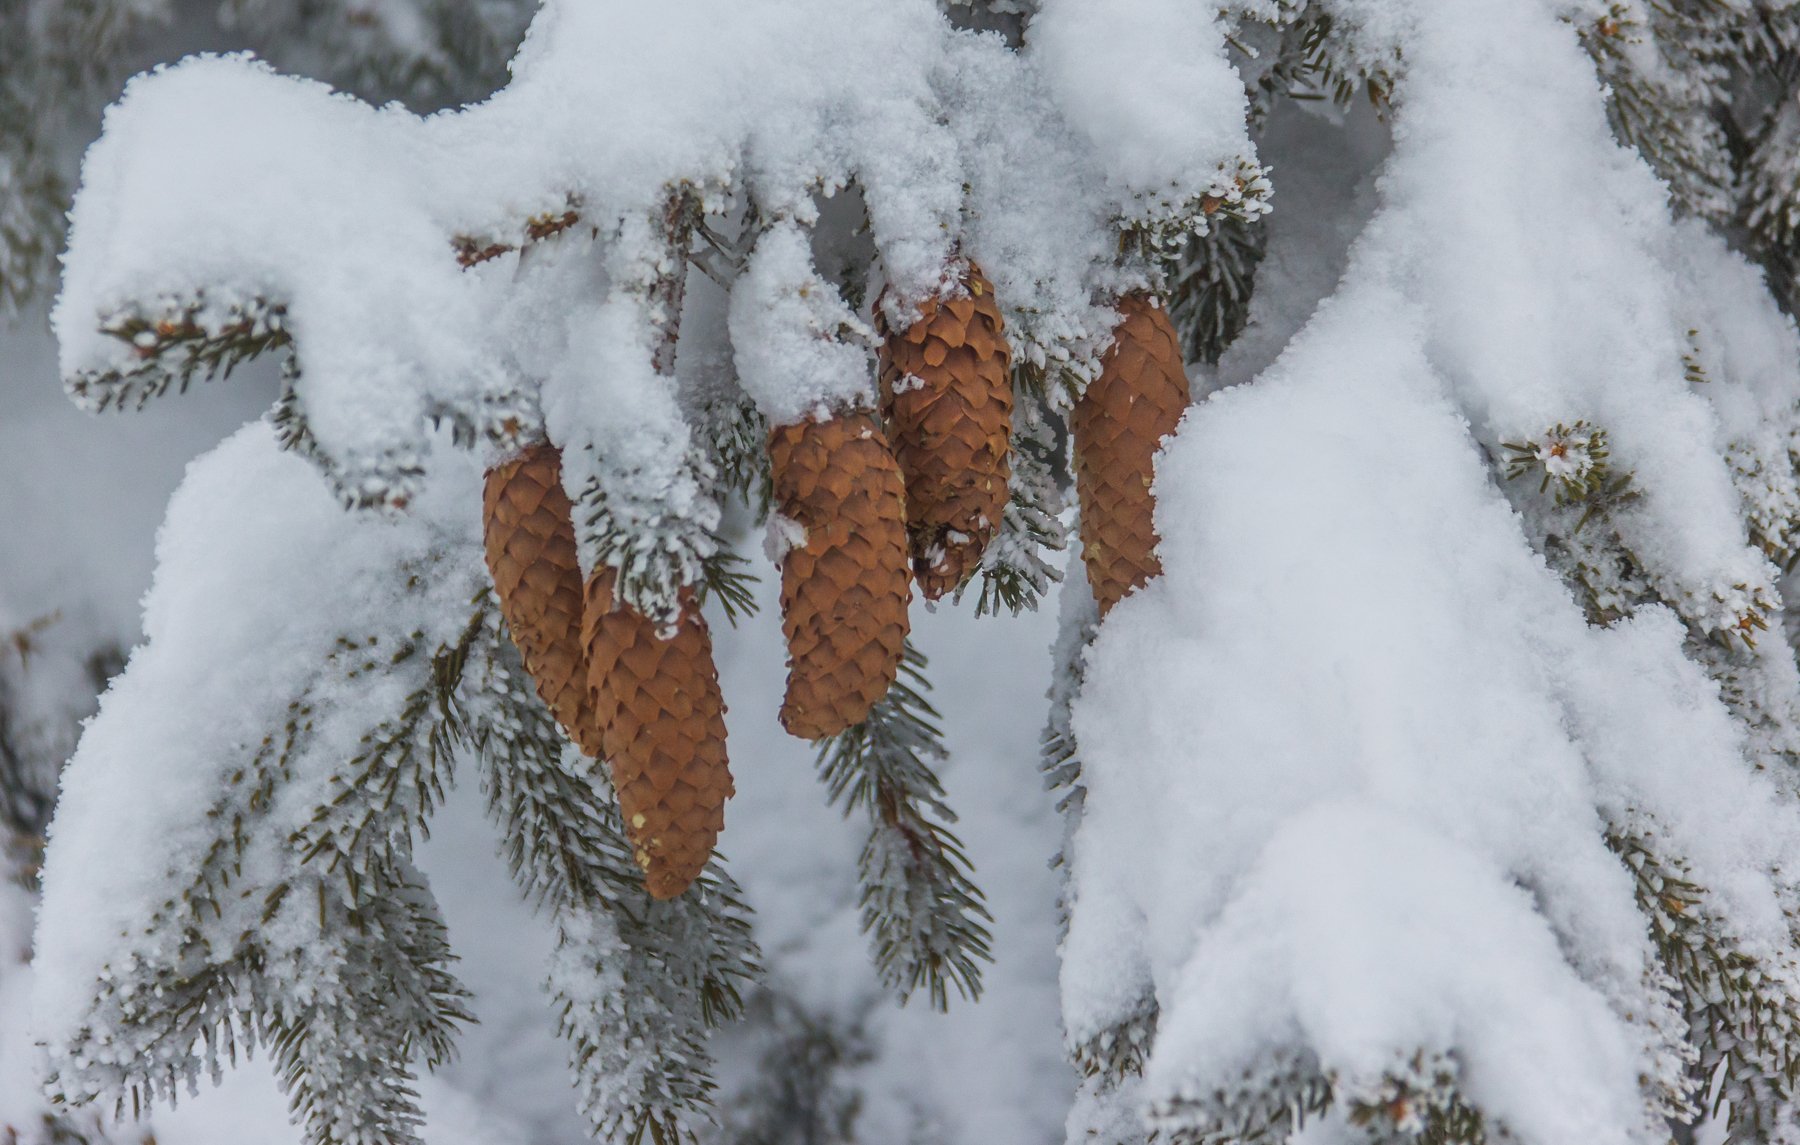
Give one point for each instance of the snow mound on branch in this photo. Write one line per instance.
(1030, 175)
(218, 180)
(800, 351)
(220, 188)
(1148, 84)
(1351, 762)
(233, 632)
(1367, 745)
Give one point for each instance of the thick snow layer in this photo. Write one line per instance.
(1029, 176)
(1352, 759)
(1274, 737)
(1539, 246)
(255, 527)
(219, 179)
(1148, 83)
(800, 351)
(219, 183)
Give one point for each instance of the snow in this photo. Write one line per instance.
(1352, 758)
(1504, 170)
(1148, 84)
(1309, 947)
(800, 351)
(1006, 1078)
(148, 771)
(1415, 678)
(219, 180)
(1030, 175)
(218, 183)
(1349, 765)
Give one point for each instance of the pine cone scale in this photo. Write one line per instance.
(845, 590)
(530, 546)
(1118, 426)
(946, 397)
(662, 720)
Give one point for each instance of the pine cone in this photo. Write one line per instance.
(946, 396)
(662, 724)
(844, 591)
(1118, 425)
(531, 555)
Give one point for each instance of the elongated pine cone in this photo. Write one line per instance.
(662, 725)
(844, 591)
(946, 396)
(1118, 425)
(531, 555)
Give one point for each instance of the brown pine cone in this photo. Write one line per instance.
(531, 555)
(662, 722)
(844, 592)
(946, 396)
(1118, 425)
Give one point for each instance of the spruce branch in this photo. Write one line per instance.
(473, 250)
(1016, 569)
(649, 521)
(1573, 459)
(1314, 64)
(1418, 1099)
(1665, 75)
(1210, 284)
(1262, 1107)
(638, 984)
(175, 343)
(737, 439)
(925, 917)
(1743, 1015)
(1419, 1103)
(340, 963)
(1059, 754)
(657, 553)
(1156, 226)
(345, 1057)
(723, 576)
(1118, 1053)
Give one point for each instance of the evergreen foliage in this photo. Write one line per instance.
(1020, 565)
(306, 930)
(1704, 89)
(341, 968)
(1741, 1013)
(184, 342)
(1210, 288)
(61, 61)
(926, 919)
(637, 984)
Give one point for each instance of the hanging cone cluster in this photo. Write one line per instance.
(531, 555)
(845, 590)
(946, 396)
(1118, 425)
(662, 721)
(649, 706)
(931, 491)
